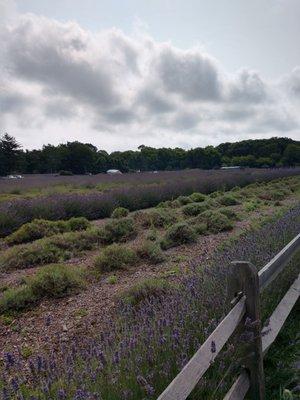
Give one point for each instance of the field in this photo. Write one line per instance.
(110, 284)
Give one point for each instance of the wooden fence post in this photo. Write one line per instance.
(244, 280)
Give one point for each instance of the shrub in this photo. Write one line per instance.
(229, 213)
(228, 200)
(194, 209)
(120, 212)
(119, 230)
(251, 206)
(40, 228)
(151, 251)
(197, 197)
(157, 218)
(25, 256)
(49, 250)
(77, 224)
(180, 233)
(56, 280)
(145, 290)
(152, 235)
(183, 200)
(51, 281)
(115, 256)
(215, 221)
(17, 299)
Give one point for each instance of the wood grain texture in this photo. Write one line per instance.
(270, 271)
(186, 380)
(245, 279)
(280, 314)
(240, 387)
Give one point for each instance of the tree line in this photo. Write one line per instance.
(81, 158)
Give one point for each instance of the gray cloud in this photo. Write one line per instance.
(248, 87)
(49, 53)
(154, 102)
(189, 74)
(65, 79)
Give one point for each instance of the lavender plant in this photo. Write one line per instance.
(137, 356)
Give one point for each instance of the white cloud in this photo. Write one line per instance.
(60, 82)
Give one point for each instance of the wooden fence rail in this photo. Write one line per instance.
(245, 284)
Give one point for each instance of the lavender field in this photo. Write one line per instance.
(138, 355)
(133, 191)
(114, 309)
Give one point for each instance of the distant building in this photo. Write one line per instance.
(113, 172)
(232, 167)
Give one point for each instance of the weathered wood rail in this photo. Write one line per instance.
(245, 285)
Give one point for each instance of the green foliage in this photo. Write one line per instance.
(180, 233)
(151, 251)
(17, 299)
(251, 206)
(40, 228)
(119, 230)
(214, 221)
(157, 218)
(194, 209)
(51, 281)
(56, 280)
(145, 290)
(197, 197)
(112, 279)
(120, 212)
(183, 200)
(115, 256)
(228, 200)
(229, 213)
(49, 250)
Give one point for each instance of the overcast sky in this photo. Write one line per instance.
(156, 72)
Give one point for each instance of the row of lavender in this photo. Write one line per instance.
(94, 205)
(139, 355)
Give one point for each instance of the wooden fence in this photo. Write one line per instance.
(245, 285)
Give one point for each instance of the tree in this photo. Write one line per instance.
(9, 152)
(291, 155)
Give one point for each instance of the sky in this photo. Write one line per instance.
(163, 73)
